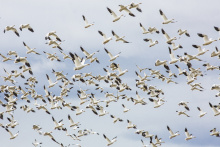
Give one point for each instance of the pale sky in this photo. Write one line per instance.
(65, 17)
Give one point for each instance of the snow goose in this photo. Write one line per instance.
(214, 109)
(51, 84)
(26, 26)
(55, 44)
(65, 56)
(130, 125)
(151, 42)
(146, 134)
(169, 40)
(110, 142)
(5, 58)
(11, 28)
(125, 108)
(206, 40)
(139, 99)
(52, 33)
(115, 119)
(218, 30)
(158, 140)
(191, 57)
(112, 58)
(78, 111)
(153, 29)
(188, 136)
(165, 20)
(78, 64)
(24, 68)
(200, 50)
(119, 38)
(181, 32)
(158, 62)
(12, 136)
(124, 8)
(211, 67)
(87, 24)
(116, 18)
(215, 133)
(172, 135)
(141, 69)
(36, 143)
(14, 53)
(106, 40)
(23, 60)
(144, 30)
(136, 6)
(58, 125)
(173, 58)
(184, 104)
(157, 103)
(50, 135)
(121, 72)
(201, 113)
(182, 113)
(143, 145)
(102, 112)
(29, 50)
(175, 47)
(88, 56)
(215, 53)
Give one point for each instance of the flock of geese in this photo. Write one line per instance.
(33, 101)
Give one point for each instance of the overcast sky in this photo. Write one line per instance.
(65, 17)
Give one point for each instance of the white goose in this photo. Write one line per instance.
(201, 113)
(130, 125)
(215, 53)
(124, 8)
(51, 84)
(151, 42)
(52, 33)
(87, 24)
(218, 30)
(188, 136)
(12, 136)
(11, 28)
(172, 135)
(106, 40)
(165, 20)
(29, 50)
(181, 32)
(5, 58)
(125, 108)
(206, 40)
(110, 142)
(215, 133)
(214, 109)
(116, 18)
(144, 30)
(173, 58)
(157, 103)
(58, 125)
(78, 64)
(175, 47)
(133, 5)
(78, 111)
(112, 58)
(119, 38)
(88, 55)
(26, 26)
(36, 143)
(121, 72)
(169, 40)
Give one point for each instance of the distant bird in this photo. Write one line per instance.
(133, 5)
(51, 84)
(52, 33)
(144, 30)
(130, 125)
(182, 113)
(180, 31)
(26, 26)
(183, 103)
(169, 40)
(110, 142)
(215, 53)
(119, 38)
(29, 50)
(206, 40)
(36, 143)
(200, 50)
(116, 18)
(87, 24)
(11, 28)
(106, 40)
(78, 64)
(165, 20)
(125, 108)
(214, 109)
(173, 58)
(12, 136)
(188, 136)
(5, 58)
(172, 135)
(124, 8)
(201, 113)
(175, 47)
(214, 132)
(157, 103)
(218, 30)
(152, 43)
(112, 58)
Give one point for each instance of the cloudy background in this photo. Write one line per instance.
(65, 17)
